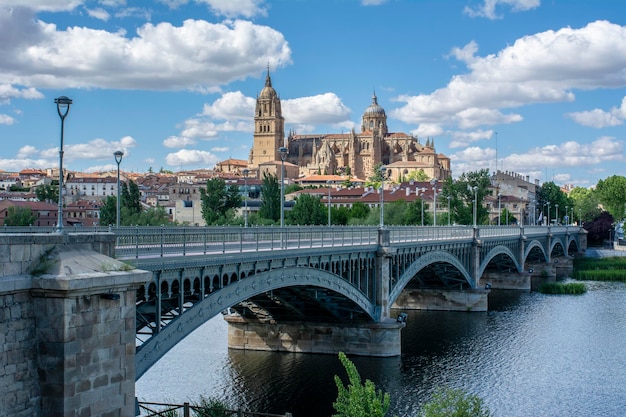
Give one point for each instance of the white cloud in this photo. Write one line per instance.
(320, 109)
(473, 117)
(463, 139)
(196, 55)
(539, 68)
(373, 2)
(220, 149)
(599, 118)
(98, 149)
(231, 106)
(43, 5)
(234, 8)
(26, 152)
(178, 142)
(5, 119)
(188, 158)
(428, 129)
(99, 13)
(488, 8)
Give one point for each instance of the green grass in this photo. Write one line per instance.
(600, 269)
(563, 288)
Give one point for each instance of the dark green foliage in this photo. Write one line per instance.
(108, 211)
(219, 202)
(340, 215)
(550, 192)
(600, 269)
(270, 198)
(358, 399)
(292, 188)
(462, 197)
(48, 193)
(359, 210)
(448, 402)
(308, 210)
(612, 194)
(19, 216)
(575, 288)
(599, 230)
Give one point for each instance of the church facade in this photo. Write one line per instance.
(354, 153)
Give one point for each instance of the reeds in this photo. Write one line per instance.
(600, 269)
(571, 288)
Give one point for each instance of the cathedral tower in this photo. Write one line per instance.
(269, 125)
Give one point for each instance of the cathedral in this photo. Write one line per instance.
(354, 154)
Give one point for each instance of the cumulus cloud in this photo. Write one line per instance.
(599, 118)
(539, 68)
(5, 119)
(196, 55)
(234, 8)
(462, 139)
(26, 152)
(95, 149)
(320, 109)
(44, 5)
(99, 13)
(191, 157)
(231, 106)
(178, 142)
(488, 7)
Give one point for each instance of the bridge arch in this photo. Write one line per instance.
(421, 263)
(496, 251)
(534, 245)
(216, 302)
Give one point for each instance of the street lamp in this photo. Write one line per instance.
(246, 171)
(383, 172)
(475, 189)
(449, 209)
(329, 182)
(499, 209)
(556, 219)
(566, 215)
(433, 182)
(534, 211)
(422, 200)
(63, 108)
(549, 220)
(283, 154)
(118, 158)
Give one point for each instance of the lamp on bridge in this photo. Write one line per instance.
(449, 197)
(433, 182)
(499, 209)
(245, 172)
(328, 183)
(475, 189)
(118, 159)
(556, 217)
(283, 154)
(549, 219)
(63, 108)
(383, 172)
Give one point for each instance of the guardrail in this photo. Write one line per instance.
(147, 409)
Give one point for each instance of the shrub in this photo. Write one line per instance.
(448, 402)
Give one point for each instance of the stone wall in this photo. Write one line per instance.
(67, 327)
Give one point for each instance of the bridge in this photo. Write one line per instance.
(342, 277)
(90, 310)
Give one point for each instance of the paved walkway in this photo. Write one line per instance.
(603, 253)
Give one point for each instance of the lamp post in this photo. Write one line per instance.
(328, 182)
(246, 171)
(433, 182)
(118, 158)
(383, 171)
(499, 209)
(283, 154)
(549, 220)
(556, 217)
(475, 189)
(422, 201)
(534, 211)
(566, 215)
(63, 108)
(448, 209)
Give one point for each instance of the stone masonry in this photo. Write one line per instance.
(67, 327)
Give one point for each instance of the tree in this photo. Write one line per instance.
(552, 193)
(419, 176)
(461, 194)
(47, 192)
(357, 399)
(599, 230)
(108, 211)
(270, 198)
(586, 204)
(612, 194)
(217, 200)
(308, 210)
(19, 216)
(454, 403)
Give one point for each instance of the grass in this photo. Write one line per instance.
(600, 269)
(563, 288)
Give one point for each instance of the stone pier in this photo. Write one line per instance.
(365, 339)
(67, 327)
(507, 280)
(443, 300)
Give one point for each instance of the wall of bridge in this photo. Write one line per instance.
(67, 327)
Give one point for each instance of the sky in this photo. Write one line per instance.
(535, 87)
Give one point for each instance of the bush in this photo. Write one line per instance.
(562, 288)
(211, 407)
(448, 402)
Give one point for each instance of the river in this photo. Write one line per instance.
(529, 355)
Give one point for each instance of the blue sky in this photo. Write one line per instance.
(536, 87)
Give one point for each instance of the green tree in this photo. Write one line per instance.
(552, 193)
(454, 403)
(47, 192)
(217, 201)
(359, 210)
(270, 198)
(19, 216)
(108, 211)
(419, 176)
(376, 178)
(461, 194)
(340, 215)
(308, 210)
(586, 204)
(612, 194)
(358, 399)
(292, 188)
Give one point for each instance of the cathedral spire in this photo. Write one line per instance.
(268, 80)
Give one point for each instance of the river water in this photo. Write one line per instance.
(529, 355)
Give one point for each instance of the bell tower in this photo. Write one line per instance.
(269, 125)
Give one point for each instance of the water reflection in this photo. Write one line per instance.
(530, 355)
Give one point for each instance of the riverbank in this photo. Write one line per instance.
(603, 253)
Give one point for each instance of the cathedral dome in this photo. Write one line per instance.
(268, 91)
(374, 109)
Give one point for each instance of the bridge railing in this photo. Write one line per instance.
(400, 234)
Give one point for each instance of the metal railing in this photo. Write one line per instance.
(148, 409)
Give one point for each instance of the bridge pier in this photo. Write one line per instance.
(68, 326)
(507, 280)
(443, 300)
(364, 339)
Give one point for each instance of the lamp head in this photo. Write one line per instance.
(63, 105)
(118, 156)
(283, 152)
(245, 172)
